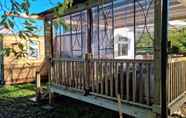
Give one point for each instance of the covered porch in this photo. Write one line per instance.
(108, 54)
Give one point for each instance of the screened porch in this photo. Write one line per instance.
(109, 49)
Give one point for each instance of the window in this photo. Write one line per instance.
(122, 46)
(33, 49)
(122, 49)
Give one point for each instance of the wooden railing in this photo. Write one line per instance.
(69, 73)
(133, 80)
(176, 81)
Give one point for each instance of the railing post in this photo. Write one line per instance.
(38, 85)
(50, 81)
(160, 54)
(88, 55)
(87, 71)
(157, 53)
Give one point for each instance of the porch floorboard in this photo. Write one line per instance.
(132, 110)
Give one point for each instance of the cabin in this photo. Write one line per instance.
(97, 56)
(22, 70)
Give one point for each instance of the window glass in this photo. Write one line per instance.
(33, 49)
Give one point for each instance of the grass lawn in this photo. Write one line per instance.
(14, 103)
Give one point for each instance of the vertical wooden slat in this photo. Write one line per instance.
(175, 87)
(141, 83)
(65, 73)
(184, 76)
(70, 73)
(172, 87)
(97, 77)
(55, 80)
(168, 82)
(38, 83)
(57, 73)
(116, 77)
(111, 78)
(134, 80)
(121, 79)
(148, 69)
(73, 71)
(179, 78)
(60, 82)
(102, 77)
(81, 75)
(62, 71)
(171, 78)
(92, 74)
(106, 77)
(178, 72)
(174, 81)
(76, 75)
(127, 80)
(171, 71)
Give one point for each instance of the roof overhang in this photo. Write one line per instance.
(177, 9)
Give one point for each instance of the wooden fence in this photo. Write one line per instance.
(176, 81)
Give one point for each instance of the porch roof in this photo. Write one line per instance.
(177, 9)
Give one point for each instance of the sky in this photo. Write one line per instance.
(38, 6)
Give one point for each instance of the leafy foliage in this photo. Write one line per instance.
(177, 37)
(17, 8)
(8, 21)
(145, 41)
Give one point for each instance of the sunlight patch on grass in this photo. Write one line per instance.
(14, 91)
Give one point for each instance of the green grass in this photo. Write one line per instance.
(14, 91)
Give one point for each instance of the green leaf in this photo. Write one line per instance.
(1, 37)
(21, 46)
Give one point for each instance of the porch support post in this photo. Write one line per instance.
(164, 45)
(38, 85)
(48, 30)
(160, 56)
(89, 30)
(157, 53)
(48, 38)
(88, 55)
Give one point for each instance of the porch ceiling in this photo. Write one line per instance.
(125, 15)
